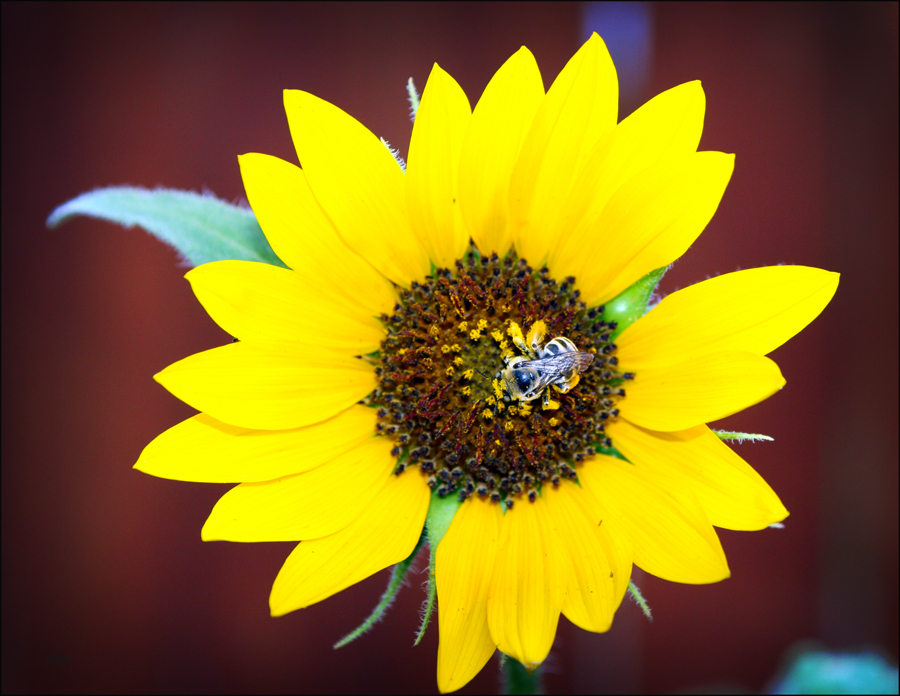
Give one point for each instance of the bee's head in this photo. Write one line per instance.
(519, 382)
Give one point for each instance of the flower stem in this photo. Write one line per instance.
(518, 680)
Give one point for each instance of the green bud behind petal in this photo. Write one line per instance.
(202, 228)
(631, 304)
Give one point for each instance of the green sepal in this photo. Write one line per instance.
(413, 96)
(202, 228)
(639, 599)
(631, 304)
(395, 153)
(430, 596)
(518, 679)
(387, 599)
(440, 514)
(740, 437)
(609, 451)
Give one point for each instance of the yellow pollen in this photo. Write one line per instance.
(524, 409)
(514, 331)
(551, 405)
(434, 330)
(455, 348)
(469, 374)
(491, 400)
(537, 332)
(402, 351)
(506, 307)
(482, 324)
(457, 360)
(508, 425)
(474, 334)
(450, 371)
(487, 413)
(463, 326)
(500, 405)
(553, 422)
(497, 335)
(445, 348)
(498, 392)
(466, 391)
(513, 410)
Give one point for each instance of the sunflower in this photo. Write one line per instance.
(376, 374)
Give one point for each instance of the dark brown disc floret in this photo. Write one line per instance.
(438, 399)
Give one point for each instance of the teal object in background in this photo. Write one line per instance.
(819, 672)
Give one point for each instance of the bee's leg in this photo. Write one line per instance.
(568, 384)
(549, 404)
(515, 333)
(536, 337)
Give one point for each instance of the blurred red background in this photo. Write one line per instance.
(106, 584)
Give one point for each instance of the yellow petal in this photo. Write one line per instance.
(310, 505)
(754, 310)
(529, 583)
(384, 533)
(578, 110)
(304, 238)
(672, 537)
(600, 561)
(730, 492)
(496, 131)
(271, 385)
(358, 183)
(432, 166)
(699, 390)
(205, 450)
(648, 222)
(667, 126)
(258, 301)
(463, 566)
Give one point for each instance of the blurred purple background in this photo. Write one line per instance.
(106, 584)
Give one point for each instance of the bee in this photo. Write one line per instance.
(559, 364)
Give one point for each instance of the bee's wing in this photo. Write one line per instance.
(561, 365)
(582, 360)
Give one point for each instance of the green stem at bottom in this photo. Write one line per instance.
(518, 680)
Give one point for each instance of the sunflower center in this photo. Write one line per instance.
(495, 379)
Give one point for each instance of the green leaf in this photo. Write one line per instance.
(631, 304)
(202, 228)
